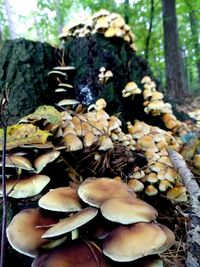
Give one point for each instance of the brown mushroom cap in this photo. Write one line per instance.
(128, 243)
(127, 210)
(96, 190)
(28, 187)
(70, 223)
(62, 199)
(75, 254)
(23, 233)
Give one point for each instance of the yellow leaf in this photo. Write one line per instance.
(49, 113)
(22, 134)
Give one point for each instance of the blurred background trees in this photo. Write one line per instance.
(43, 20)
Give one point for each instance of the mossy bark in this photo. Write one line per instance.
(24, 66)
(89, 54)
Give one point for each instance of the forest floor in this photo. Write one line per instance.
(191, 105)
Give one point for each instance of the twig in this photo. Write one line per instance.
(3, 102)
(4, 202)
(193, 234)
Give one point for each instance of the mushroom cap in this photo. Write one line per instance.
(72, 142)
(127, 210)
(18, 161)
(23, 233)
(44, 159)
(72, 222)
(177, 193)
(128, 243)
(62, 199)
(96, 190)
(28, 187)
(74, 254)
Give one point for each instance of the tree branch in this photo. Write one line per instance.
(193, 234)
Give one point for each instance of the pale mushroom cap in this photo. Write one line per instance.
(23, 234)
(105, 143)
(72, 142)
(127, 210)
(72, 222)
(74, 254)
(177, 193)
(128, 243)
(136, 185)
(170, 238)
(28, 187)
(131, 86)
(96, 190)
(45, 159)
(62, 199)
(17, 161)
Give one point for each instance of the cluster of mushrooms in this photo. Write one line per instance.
(80, 226)
(103, 22)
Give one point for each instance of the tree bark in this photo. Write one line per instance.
(175, 82)
(126, 11)
(24, 66)
(149, 31)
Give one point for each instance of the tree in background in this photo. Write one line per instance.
(144, 17)
(175, 82)
(11, 25)
(195, 29)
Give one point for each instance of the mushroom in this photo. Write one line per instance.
(62, 199)
(27, 187)
(128, 243)
(72, 142)
(96, 190)
(77, 253)
(41, 161)
(71, 223)
(127, 210)
(23, 232)
(17, 161)
(177, 193)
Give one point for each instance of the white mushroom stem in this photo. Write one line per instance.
(193, 236)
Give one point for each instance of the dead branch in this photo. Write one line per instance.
(193, 234)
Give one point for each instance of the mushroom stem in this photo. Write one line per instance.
(4, 201)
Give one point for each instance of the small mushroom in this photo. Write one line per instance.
(45, 159)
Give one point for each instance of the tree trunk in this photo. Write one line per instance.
(11, 26)
(24, 66)
(195, 33)
(126, 11)
(175, 81)
(149, 31)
